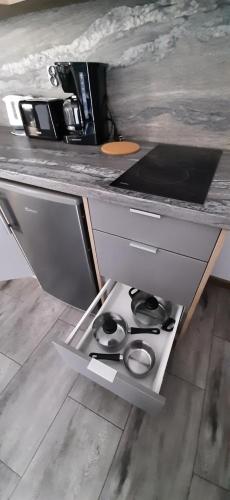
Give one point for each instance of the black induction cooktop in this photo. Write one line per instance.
(181, 172)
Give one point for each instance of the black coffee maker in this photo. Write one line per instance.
(85, 111)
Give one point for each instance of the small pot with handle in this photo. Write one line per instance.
(138, 358)
(110, 330)
(149, 310)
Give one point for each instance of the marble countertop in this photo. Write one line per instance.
(85, 171)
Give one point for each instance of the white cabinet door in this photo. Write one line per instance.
(13, 264)
(222, 267)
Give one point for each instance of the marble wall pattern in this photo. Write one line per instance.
(169, 62)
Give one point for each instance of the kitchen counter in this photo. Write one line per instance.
(85, 171)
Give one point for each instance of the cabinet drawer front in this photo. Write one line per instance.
(143, 393)
(131, 391)
(153, 270)
(185, 238)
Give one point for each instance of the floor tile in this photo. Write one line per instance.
(8, 306)
(101, 401)
(72, 315)
(155, 456)
(8, 481)
(74, 458)
(222, 321)
(20, 288)
(32, 399)
(4, 284)
(8, 368)
(213, 458)
(190, 357)
(23, 324)
(203, 490)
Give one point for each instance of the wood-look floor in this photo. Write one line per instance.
(64, 438)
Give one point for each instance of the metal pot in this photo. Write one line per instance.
(149, 310)
(138, 358)
(110, 330)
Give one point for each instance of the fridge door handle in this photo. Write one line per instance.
(8, 215)
(5, 222)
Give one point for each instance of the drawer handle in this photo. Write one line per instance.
(143, 247)
(147, 214)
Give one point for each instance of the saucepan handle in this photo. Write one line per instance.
(154, 331)
(168, 325)
(110, 357)
(132, 292)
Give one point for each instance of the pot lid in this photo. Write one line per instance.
(157, 313)
(109, 330)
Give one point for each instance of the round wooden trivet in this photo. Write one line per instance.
(120, 148)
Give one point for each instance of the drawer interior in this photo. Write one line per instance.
(119, 301)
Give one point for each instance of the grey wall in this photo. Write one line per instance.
(169, 61)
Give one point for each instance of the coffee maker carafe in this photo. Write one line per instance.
(85, 111)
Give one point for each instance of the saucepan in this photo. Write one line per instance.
(138, 358)
(149, 310)
(110, 330)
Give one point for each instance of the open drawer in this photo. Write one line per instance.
(143, 393)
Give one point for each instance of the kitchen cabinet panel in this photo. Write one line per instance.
(182, 237)
(169, 275)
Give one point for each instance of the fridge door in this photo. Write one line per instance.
(51, 230)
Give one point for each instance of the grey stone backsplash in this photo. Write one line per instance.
(169, 61)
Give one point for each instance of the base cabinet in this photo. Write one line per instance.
(161, 255)
(145, 257)
(159, 272)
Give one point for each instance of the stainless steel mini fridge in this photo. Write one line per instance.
(51, 230)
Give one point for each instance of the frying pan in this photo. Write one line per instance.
(110, 330)
(138, 358)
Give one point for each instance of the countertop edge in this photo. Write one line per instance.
(102, 194)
